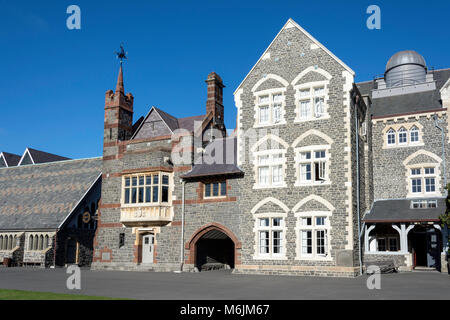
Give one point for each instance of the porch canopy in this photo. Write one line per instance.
(401, 210)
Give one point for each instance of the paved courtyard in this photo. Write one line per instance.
(224, 285)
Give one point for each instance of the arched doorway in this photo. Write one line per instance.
(213, 247)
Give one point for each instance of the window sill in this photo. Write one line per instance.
(258, 187)
(312, 258)
(265, 125)
(324, 117)
(396, 146)
(312, 184)
(392, 253)
(145, 205)
(270, 258)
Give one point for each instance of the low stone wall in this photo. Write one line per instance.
(401, 261)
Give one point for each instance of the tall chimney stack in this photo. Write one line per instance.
(214, 102)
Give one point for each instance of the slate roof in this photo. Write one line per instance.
(399, 210)
(172, 122)
(11, 159)
(227, 159)
(43, 157)
(41, 196)
(407, 103)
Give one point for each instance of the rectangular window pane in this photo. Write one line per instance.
(165, 180)
(306, 242)
(305, 109)
(133, 195)
(320, 221)
(264, 242)
(141, 195)
(263, 99)
(141, 180)
(276, 113)
(320, 239)
(155, 193)
(134, 181)
(165, 194)
(208, 190)
(276, 241)
(223, 188)
(148, 180)
(277, 98)
(430, 185)
(156, 179)
(307, 221)
(319, 104)
(393, 244)
(381, 244)
(215, 191)
(415, 172)
(127, 195)
(264, 222)
(263, 175)
(416, 185)
(148, 194)
(276, 222)
(429, 170)
(277, 174)
(264, 114)
(127, 182)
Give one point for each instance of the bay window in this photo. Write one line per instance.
(149, 188)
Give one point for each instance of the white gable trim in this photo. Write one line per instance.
(291, 24)
(23, 156)
(146, 117)
(267, 200)
(4, 159)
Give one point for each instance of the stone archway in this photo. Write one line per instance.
(197, 247)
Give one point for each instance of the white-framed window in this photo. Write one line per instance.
(423, 204)
(402, 136)
(414, 135)
(311, 101)
(270, 235)
(423, 180)
(408, 135)
(270, 168)
(146, 188)
(313, 233)
(270, 108)
(312, 165)
(391, 137)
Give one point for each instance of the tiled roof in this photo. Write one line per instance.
(41, 196)
(43, 157)
(227, 160)
(401, 211)
(406, 103)
(11, 159)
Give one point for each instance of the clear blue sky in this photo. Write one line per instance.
(53, 79)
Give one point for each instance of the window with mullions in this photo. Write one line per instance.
(313, 237)
(423, 180)
(269, 108)
(313, 166)
(146, 188)
(270, 236)
(311, 103)
(215, 189)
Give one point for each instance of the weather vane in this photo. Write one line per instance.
(122, 55)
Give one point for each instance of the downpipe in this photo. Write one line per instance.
(357, 189)
(444, 164)
(183, 184)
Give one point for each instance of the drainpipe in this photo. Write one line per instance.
(182, 227)
(357, 188)
(436, 124)
(54, 249)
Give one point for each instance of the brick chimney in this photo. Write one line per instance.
(214, 102)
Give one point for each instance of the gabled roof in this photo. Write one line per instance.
(171, 122)
(43, 195)
(10, 159)
(292, 24)
(37, 156)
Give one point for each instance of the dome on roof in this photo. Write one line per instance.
(405, 57)
(405, 68)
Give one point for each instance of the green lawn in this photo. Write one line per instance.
(31, 295)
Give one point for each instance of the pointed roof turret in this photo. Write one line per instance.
(119, 86)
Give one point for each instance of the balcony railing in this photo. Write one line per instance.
(146, 215)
